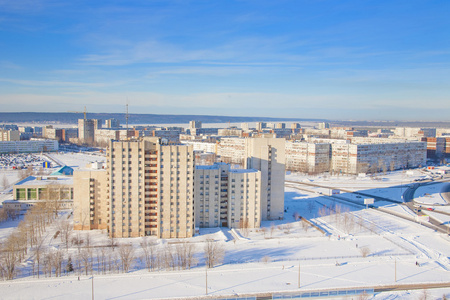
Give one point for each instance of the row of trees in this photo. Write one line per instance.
(343, 218)
(26, 243)
(116, 258)
(27, 236)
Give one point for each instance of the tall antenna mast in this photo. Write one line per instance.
(126, 116)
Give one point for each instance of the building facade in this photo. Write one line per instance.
(86, 129)
(227, 197)
(311, 158)
(149, 190)
(31, 146)
(268, 156)
(9, 135)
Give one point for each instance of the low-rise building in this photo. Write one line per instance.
(57, 190)
(31, 146)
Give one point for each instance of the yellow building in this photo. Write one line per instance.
(145, 190)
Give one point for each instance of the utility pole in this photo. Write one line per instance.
(395, 269)
(206, 279)
(126, 117)
(298, 275)
(92, 287)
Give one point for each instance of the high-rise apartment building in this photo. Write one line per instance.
(227, 197)
(86, 129)
(195, 124)
(149, 190)
(324, 125)
(261, 125)
(9, 135)
(112, 123)
(268, 156)
(91, 204)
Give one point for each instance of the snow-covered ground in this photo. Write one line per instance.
(78, 160)
(353, 248)
(430, 194)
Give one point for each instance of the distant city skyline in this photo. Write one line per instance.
(359, 60)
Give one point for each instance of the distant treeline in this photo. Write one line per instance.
(71, 118)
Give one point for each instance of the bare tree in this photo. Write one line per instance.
(85, 256)
(57, 259)
(288, 228)
(363, 296)
(169, 258)
(323, 211)
(264, 230)
(392, 166)
(244, 226)
(37, 251)
(305, 225)
(54, 198)
(424, 295)
(214, 253)
(78, 241)
(149, 249)
(40, 171)
(272, 229)
(112, 242)
(5, 182)
(126, 253)
(266, 259)
(65, 228)
(348, 222)
(9, 258)
(21, 174)
(365, 251)
(87, 239)
(185, 254)
(102, 254)
(29, 171)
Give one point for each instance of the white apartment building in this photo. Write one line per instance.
(227, 197)
(408, 132)
(205, 147)
(268, 156)
(376, 154)
(306, 157)
(232, 150)
(31, 146)
(9, 135)
(86, 129)
(103, 136)
(230, 132)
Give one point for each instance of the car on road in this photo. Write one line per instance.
(430, 208)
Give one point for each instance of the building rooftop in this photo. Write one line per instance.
(46, 180)
(215, 166)
(243, 171)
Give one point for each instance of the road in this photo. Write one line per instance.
(408, 197)
(375, 289)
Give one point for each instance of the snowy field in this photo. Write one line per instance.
(333, 244)
(430, 194)
(77, 160)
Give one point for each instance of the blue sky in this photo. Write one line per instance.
(358, 60)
